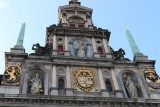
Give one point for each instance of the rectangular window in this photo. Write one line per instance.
(72, 25)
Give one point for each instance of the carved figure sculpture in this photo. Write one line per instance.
(36, 85)
(80, 48)
(131, 87)
(39, 50)
(118, 54)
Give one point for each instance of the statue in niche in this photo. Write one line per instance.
(131, 87)
(36, 85)
(80, 48)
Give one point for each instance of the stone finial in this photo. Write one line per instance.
(74, 0)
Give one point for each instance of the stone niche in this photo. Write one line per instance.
(42, 79)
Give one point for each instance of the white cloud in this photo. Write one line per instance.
(2, 4)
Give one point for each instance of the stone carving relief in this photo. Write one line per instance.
(152, 78)
(131, 85)
(106, 73)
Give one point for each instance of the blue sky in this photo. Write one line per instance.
(141, 17)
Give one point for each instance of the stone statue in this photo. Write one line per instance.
(80, 48)
(131, 88)
(118, 54)
(38, 49)
(36, 85)
(81, 51)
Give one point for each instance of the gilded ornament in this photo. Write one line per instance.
(12, 74)
(84, 79)
(152, 78)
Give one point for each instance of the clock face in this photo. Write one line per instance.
(85, 79)
(12, 74)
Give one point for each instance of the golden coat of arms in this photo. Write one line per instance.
(12, 74)
(84, 79)
(152, 78)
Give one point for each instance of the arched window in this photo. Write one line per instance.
(108, 86)
(61, 84)
(60, 48)
(100, 50)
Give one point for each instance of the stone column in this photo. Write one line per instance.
(54, 90)
(95, 53)
(116, 86)
(54, 45)
(69, 90)
(105, 44)
(66, 52)
(102, 84)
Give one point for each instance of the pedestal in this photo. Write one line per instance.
(66, 53)
(54, 91)
(69, 92)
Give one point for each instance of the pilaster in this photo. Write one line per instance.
(54, 90)
(116, 86)
(95, 53)
(69, 90)
(105, 44)
(102, 84)
(54, 45)
(66, 52)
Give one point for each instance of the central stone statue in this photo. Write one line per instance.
(36, 85)
(80, 48)
(131, 88)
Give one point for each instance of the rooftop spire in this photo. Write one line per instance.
(133, 45)
(20, 39)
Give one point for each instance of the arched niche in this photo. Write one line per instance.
(61, 84)
(60, 49)
(31, 73)
(131, 79)
(100, 50)
(108, 84)
(74, 43)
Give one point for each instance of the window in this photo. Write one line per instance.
(108, 86)
(60, 48)
(81, 26)
(72, 25)
(76, 22)
(61, 84)
(98, 42)
(100, 50)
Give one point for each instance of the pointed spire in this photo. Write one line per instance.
(133, 45)
(20, 39)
